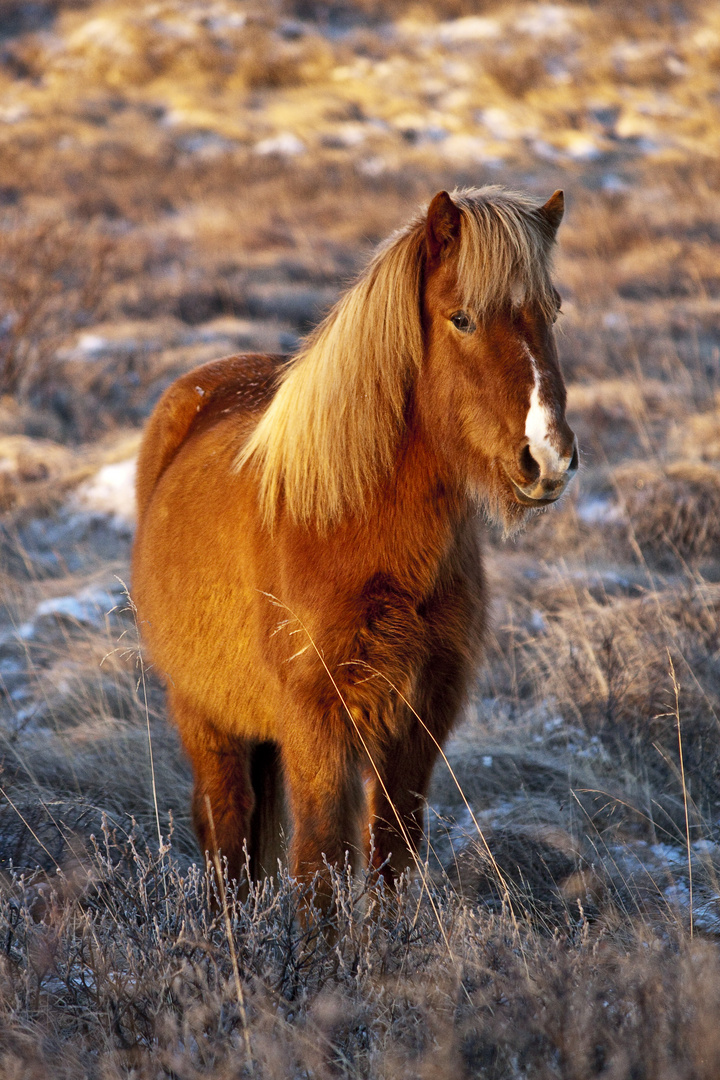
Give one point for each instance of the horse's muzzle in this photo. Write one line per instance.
(547, 487)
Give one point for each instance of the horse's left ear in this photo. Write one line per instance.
(553, 210)
(442, 227)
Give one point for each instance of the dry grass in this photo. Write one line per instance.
(675, 511)
(51, 281)
(181, 181)
(125, 967)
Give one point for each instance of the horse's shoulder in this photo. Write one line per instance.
(231, 386)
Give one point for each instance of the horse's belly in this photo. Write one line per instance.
(194, 588)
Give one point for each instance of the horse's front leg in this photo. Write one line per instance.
(398, 793)
(325, 795)
(397, 804)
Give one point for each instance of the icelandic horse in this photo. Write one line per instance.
(308, 572)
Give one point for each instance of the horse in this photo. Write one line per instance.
(308, 570)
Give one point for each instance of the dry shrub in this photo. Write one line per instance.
(606, 666)
(25, 463)
(128, 970)
(619, 418)
(646, 63)
(122, 49)
(364, 12)
(516, 75)
(605, 223)
(95, 767)
(537, 871)
(668, 268)
(266, 62)
(674, 511)
(698, 436)
(90, 724)
(52, 279)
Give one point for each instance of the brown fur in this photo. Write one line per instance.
(307, 551)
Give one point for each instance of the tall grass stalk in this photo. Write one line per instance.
(676, 691)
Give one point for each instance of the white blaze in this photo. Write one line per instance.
(539, 430)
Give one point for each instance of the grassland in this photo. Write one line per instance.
(181, 180)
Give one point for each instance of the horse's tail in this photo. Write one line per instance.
(242, 383)
(269, 819)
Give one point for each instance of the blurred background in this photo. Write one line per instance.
(179, 179)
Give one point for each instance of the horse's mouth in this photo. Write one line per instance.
(527, 500)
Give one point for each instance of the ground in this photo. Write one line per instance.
(179, 181)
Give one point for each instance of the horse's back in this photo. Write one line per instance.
(218, 390)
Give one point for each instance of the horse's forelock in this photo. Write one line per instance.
(505, 243)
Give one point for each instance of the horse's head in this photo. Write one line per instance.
(493, 395)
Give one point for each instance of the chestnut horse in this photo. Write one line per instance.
(307, 569)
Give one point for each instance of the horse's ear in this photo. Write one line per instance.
(442, 227)
(553, 210)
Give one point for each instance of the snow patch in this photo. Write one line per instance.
(469, 28)
(576, 147)
(89, 606)
(545, 20)
(92, 344)
(110, 493)
(11, 114)
(372, 166)
(286, 144)
(347, 136)
(597, 510)
(230, 20)
(615, 320)
(500, 123)
(581, 147)
(91, 347)
(206, 145)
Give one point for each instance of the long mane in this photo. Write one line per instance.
(333, 426)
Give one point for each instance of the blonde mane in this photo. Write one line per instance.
(332, 428)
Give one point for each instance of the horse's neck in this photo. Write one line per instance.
(416, 513)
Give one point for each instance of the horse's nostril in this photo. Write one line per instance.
(528, 464)
(574, 462)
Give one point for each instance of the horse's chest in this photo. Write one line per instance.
(390, 631)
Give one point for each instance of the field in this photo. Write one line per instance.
(182, 180)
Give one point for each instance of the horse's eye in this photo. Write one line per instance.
(462, 322)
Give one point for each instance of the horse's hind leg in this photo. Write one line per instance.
(268, 820)
(223, 798)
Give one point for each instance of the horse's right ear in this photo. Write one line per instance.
(553, 210)
(442, 227)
